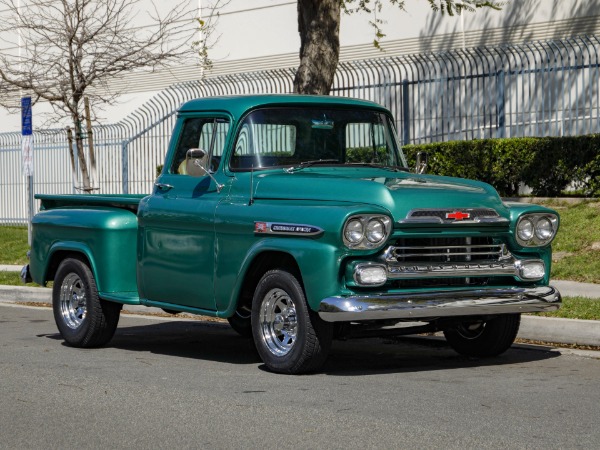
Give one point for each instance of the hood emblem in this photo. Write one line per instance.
(458, 215)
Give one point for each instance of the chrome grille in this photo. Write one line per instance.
(447, 262)
(445, 250)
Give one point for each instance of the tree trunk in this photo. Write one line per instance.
(85, 176)
(319, 28)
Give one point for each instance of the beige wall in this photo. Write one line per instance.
(269, 32)
(262, 34)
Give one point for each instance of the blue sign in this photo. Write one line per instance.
(26, 124)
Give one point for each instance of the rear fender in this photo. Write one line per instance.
(106, 237)
(63, 250)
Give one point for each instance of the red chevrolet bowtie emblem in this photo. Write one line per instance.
(457, 215)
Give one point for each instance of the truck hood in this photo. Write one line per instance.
(398, 192)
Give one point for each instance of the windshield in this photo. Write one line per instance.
(301, 137)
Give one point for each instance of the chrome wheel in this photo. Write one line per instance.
(83, 319)
(73, 306)
(278, 322)
(288, 336)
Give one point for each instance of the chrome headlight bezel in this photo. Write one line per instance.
(354, 231)
(376, 228)
(375, 231)
(525, 230)
(540, 223)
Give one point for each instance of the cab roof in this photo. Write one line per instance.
(239, 104)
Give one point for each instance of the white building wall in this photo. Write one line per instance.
(262, 34)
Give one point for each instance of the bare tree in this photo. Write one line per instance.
(61, 51)
(206, 30)
(319, 28)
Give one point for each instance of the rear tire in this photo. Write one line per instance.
(83, 319)
(241, 322)
(484, 338)
(289, 336)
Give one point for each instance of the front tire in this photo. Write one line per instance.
(83, 319)
(484, 338)
(289, 336)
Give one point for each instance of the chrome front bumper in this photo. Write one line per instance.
(434, 304)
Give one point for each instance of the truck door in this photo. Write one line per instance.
(177, 231)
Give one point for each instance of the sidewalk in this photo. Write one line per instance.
(547, 329)
(575, 289)
(10, 268)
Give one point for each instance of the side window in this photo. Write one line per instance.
(208, 134)
(213, 137)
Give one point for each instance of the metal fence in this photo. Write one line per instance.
(546, 88)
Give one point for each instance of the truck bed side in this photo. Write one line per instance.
(100, 229)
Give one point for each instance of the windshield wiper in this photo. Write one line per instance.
(305, 164)
(315, 162)
(379, 166)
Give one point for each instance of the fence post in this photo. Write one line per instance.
(125, 166)
(405, 114)
(500, 80)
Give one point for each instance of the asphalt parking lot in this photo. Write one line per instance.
(182, 384)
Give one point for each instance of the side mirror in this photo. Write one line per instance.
(421, 162)
(195, 162)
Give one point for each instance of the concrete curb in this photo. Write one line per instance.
(563, 331)
(24, 294)
(576, 289)
(535, 328)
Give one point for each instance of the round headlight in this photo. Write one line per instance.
(354, 231)
(544, 229)
(375, 231)
(525, 229)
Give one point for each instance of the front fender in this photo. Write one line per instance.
(318, 261)
(545, 253)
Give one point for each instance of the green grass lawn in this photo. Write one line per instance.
(12, 279)
(577, 308)
(577, 245)
(13, 245)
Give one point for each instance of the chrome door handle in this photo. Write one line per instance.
(163, 187)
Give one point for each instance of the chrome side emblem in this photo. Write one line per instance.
(287, 229)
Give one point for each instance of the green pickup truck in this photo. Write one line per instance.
(297, 219)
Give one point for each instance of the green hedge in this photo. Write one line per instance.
(547, 165)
